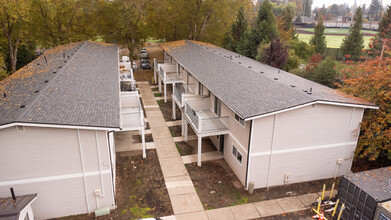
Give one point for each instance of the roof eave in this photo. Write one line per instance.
(311, 103)
(82, 127)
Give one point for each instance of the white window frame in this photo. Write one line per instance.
(240, 120)
(235, 153)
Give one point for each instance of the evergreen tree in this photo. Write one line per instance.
(384, 33)
(354, 43)
(374, 9)
(319, 40)
(238, 28)
(307, 9)
(264, 31)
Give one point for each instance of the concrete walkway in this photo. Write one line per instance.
(214, 155)
(181, 191)
(254, 210)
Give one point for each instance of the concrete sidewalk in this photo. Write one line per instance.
(254, 210)
(183, 196)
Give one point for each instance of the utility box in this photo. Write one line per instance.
(383, 211)
(362, 193)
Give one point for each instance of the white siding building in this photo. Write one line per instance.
(57, 118)
(273, 127)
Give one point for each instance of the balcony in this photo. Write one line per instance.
(169, 74)
(132, 115)
(182, 92)
(203, 120)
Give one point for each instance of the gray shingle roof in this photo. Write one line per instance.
(75, 84)
(238, 82)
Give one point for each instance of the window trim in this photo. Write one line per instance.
(238, 119)
(235, 149)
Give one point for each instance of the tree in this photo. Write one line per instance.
(57, 22)
(383, 36)
(123, 22)
(238, 28)
(371, 80)
(307, 9)
(375, 9)
(3, 69)
(301, 49)
(319, 40)
(353, 44)
(325, 73)
(264, 31)
(275, 55)
(13, 22)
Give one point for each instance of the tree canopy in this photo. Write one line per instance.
(319, 40)
(353, 44)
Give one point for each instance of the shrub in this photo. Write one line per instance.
(292, 62)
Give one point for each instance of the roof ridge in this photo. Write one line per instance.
(35, 99)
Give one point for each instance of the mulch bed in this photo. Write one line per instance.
(217, 186)
(141, 191)
(137, 138)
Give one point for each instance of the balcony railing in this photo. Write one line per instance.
(206, 121)
(132, 113)
(169, 73)
(181, 92)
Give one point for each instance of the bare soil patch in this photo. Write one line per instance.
(217, 186)
(141, 190)
(191, 147)
(166, 109)
(137, 138)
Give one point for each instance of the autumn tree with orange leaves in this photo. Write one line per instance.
(371, 80)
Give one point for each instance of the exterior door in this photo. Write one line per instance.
(217, 109)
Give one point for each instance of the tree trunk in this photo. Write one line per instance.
(13, 52)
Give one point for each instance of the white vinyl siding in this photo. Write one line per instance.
(47, 161)
(305, 144)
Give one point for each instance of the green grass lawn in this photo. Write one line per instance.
(332, 41)
(336, 30)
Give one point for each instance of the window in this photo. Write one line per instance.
(237, 154)
(239, 119)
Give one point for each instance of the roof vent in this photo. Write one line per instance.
(239, 62)
(275, 78)
(45, 59)
(293, 86)
(249, 67)
(219, 53)
(5, 95)
(54, 72)
(37, 64)
(46, 81)
(22, 106)
(59, 67)
(63, 55)
(36, 91)
(261, 72)
(71, 54)
(65, 61)
(278, 71)
(310, 92)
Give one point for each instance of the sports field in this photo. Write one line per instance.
(336, 30)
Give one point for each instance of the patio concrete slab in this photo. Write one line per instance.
(160, 132)
(268, 208)
(162, 98)
(174, 123)
(172, 166)
(179, 185)
(149, 102)
(186, 203)
(166, 148)
(291, 204)
(214, 155)
(193, 216)
(246, 211)
(157, 122)
(220, 214)
(189, 138)
(308, 199)
(148, 96)
(153, 114)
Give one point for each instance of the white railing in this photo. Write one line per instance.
(206, 124)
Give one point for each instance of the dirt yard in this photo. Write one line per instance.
(190, 147)
(141, 191)
(166, 109)
(217, 186)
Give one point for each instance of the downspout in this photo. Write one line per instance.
(84, 174)
(271, 151)
(99, 164)
(248, 154)
(111, 169)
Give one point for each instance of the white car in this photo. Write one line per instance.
(134, 65)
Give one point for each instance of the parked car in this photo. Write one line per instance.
(143, 53)
(144, 64)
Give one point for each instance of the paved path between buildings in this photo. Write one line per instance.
(254, 210)
(183, 197)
